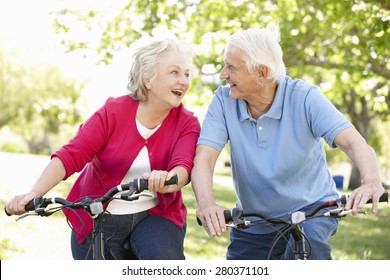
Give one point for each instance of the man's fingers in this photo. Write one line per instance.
(222, 222)
(359, 198)
(212, 219)
(216, 223)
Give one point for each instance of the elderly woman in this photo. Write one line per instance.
(146, 133)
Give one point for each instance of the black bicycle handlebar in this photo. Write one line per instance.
(136, 186)
(236, 213)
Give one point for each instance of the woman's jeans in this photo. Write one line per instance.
(141, 235)
(250, 246)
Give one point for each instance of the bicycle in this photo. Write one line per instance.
(292, 221)
(39, 206)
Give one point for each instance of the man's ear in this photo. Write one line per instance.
(262, 72)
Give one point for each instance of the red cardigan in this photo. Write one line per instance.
(106, 145)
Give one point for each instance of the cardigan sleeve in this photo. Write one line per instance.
(89, 139)
(184, 150)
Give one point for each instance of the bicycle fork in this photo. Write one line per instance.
(98, 247)
(299, 243)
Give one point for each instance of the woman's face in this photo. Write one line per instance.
(172, 80)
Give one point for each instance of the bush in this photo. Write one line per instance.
(13, 147)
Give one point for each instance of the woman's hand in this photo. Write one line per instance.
(156, 180)
(17, 204)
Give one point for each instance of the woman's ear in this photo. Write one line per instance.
(147, 84)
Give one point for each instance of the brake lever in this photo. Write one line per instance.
(131, 197)
(345, 212)
(240, 223)
(26, 215)
(42, 212)
(340, 212)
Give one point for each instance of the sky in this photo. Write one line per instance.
(27, 21)
(27, 26)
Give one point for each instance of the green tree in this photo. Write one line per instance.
(340, 45)
(36, 101)
(8, 90)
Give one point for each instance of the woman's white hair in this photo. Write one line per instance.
(145, 60)
(262, 48)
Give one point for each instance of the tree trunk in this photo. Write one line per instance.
(360, 117)
(354, 181)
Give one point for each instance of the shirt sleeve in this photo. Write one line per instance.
(214, 131)
(323, 117)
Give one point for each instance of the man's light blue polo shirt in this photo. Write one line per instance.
(278, 161)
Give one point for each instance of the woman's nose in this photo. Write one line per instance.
(184, 80)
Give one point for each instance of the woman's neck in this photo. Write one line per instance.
(150, 116)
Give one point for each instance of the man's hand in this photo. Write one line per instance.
(212, 219)
(361, 195)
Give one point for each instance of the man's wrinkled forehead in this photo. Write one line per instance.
(233, 54)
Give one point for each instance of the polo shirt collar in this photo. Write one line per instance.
(275, 111)
(243, 110)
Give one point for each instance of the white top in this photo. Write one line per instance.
(140, 165)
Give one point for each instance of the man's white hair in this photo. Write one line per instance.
(262, 48)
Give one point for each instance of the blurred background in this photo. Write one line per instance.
(60, 60)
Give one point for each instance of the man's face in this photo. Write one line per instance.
(242, 83)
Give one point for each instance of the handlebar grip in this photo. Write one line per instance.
(227, 214)
(384, 198)
(5, 210)
(30, 206)
(142, 184)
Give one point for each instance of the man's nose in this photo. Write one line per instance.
(224, 74)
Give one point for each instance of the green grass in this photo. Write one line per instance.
(363, 237)
(198, 244)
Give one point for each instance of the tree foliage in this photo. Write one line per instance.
(36, 101)
(342, 46)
